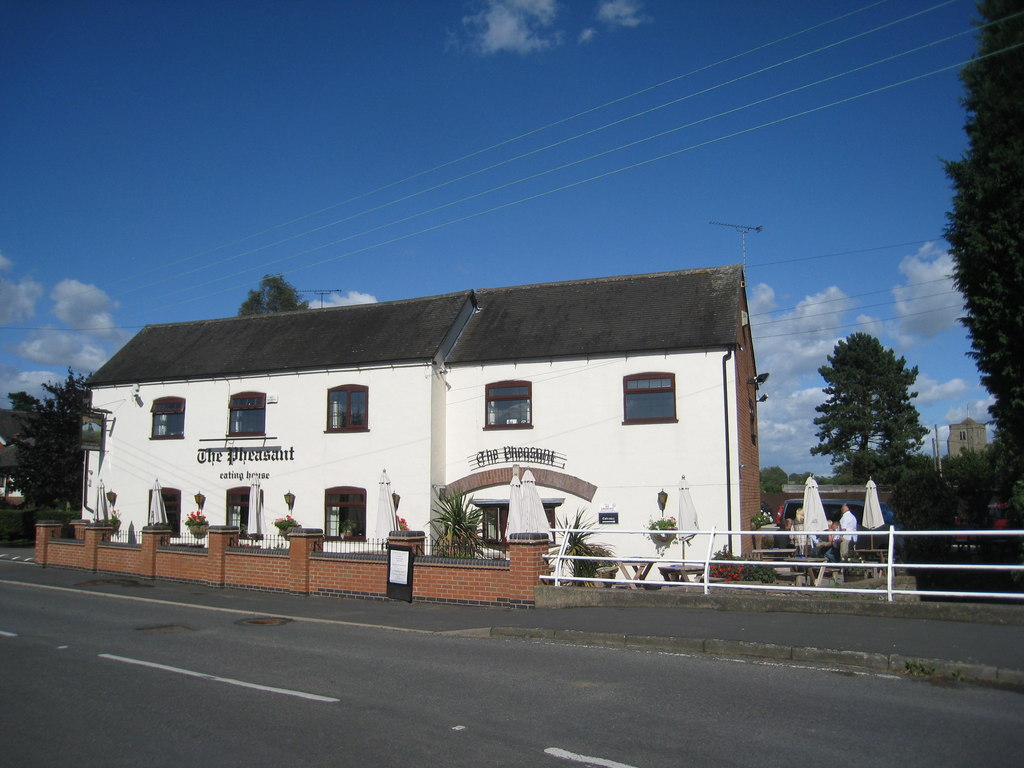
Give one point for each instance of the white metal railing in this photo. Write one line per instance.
(703, 546)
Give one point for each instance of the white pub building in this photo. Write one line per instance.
(608, 390)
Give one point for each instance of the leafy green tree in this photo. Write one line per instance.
(49, 470)
(275, 294)
(986, 226)
(22, 401)
(971, 475)
(868, 425)
(924, 501)
(772, 479)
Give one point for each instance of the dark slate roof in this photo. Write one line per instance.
(363, 334)
(688, 309)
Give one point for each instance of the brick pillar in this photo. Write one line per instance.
(415, 540)
(302, 542)
(153, 536)
(45, 530)
(94, 534)
(526, 564)
(220, 537)
(79, 528)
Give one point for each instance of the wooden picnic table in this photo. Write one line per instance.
(680, 573)
(634, 571)
(806, 566)
(773, 553)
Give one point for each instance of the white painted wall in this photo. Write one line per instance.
(398, 440)
(424, 427)
(578, 412)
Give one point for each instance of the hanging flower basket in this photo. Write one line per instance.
(199, 531)
(662, 538)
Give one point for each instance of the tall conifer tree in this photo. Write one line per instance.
(868, 425)
(986, 225)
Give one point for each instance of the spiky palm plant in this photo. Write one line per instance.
(456, 525)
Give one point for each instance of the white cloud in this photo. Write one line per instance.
(84, 307)
(930, 391)
(12, 380)
(67, 350)
(622, 13)
(928, 304)
(516, 26)
(352, 297)
(587, 35)
(17, 300)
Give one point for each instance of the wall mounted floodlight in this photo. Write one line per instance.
(758, 380)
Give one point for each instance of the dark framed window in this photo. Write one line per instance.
(248, 414)
(345, 512)
(347, 408)
(649, 398)
(172, 505)
(509, 405)
(238, 506)
(168, 418)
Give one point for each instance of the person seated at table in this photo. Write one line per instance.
(830, 546)
(781, 540)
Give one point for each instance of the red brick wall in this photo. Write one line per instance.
(510, 584)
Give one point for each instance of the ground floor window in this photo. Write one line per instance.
(172, 505)
(238, 507)
(345, 512)
(495, 518)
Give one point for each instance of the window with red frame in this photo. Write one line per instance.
(168, 418)
(347, 408)
(649, 398)
(248, 411)
(509, 405)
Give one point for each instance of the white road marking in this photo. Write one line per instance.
(216, 679)
(7, 634)
(563, 754)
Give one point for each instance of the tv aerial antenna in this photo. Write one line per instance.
(743, 229)
(321, 292)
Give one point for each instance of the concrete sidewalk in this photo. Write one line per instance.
(957, 640)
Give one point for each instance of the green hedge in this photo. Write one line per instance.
(20, 524)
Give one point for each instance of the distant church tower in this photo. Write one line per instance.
(968, 435)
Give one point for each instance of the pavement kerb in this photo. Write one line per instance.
(895, 664)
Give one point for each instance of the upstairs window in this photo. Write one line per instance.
(168, 418)
(347, 408)
(248, 412)
(509, 405)
(649, 398)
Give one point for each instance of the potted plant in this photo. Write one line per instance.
(662, 524)
(403, 524)
(197, 524)
(285, 524)
(347, 528)
(578, 544)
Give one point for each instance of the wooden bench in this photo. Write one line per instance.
(772, 553)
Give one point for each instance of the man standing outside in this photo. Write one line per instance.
(848, 525)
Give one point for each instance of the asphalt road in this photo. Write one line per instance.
(89, 680)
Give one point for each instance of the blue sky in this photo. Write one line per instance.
(158, 158)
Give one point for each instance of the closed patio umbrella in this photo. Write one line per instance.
(814, 511)
(387, 518)
(101, 513)
(533, 507)
(687, 511)
(255, 526)
(872, 508)
(157, 509)
(516, 522)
